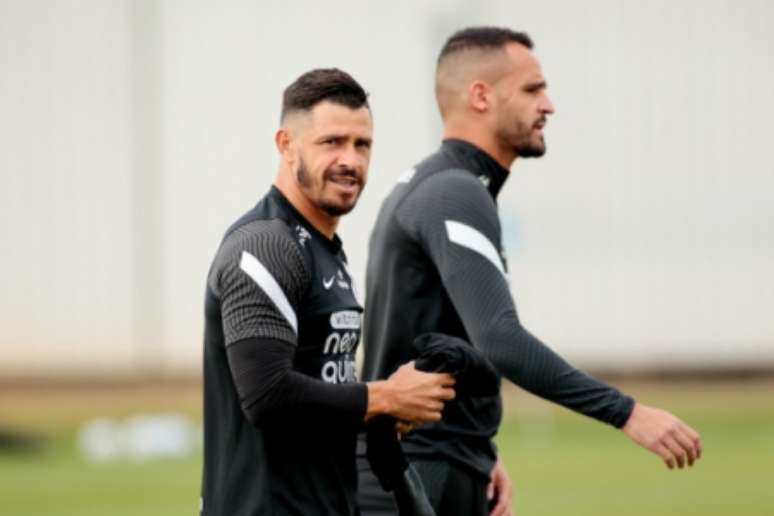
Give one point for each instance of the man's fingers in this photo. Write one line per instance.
(429, 416)
(435, 406)
(677, 452)
(686, 444)
(663, 452)
(693, 435)
(447, 394)
(447, 380)
(403, 427)
(434, 411)
(500, 490)
(502, 508)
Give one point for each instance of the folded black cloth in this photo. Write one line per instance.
(475, 376)
(440, 353)
(394, 472)
(383, 451)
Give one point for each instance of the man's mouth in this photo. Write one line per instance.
(345, 182)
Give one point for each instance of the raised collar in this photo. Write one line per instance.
(333, 244)
(477, 162)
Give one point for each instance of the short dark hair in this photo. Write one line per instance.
(483, 38)
(323, 84)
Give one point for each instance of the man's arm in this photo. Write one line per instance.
(455, 220)
(260, 277)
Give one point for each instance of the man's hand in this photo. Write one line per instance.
(500, 490)
(663, 434)
(403, 427)
(410, 396)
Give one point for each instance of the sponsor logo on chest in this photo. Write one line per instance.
(339, 347)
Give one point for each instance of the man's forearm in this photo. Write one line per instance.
(483, 300)
(269, 388)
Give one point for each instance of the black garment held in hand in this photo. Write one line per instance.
(440, 353)
(474, 375)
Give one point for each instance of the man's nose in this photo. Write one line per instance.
(547, 107)
(350, 158)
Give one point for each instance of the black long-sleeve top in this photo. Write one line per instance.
(282, 405)
(436, 264)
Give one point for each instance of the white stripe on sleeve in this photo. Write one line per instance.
(473, 239)
(269, 285)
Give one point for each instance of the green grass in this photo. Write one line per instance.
(560, 463)
(58, 482)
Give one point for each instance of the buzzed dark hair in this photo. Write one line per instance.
(323, 84)
(483, 38)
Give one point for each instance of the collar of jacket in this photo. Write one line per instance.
(478, 162)
(334, 244)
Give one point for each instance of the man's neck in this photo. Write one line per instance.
(322, 222)
(481, 138)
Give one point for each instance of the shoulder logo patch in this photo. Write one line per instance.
(406, 176)
(303, 234)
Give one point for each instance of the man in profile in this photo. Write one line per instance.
(436, 264)
(282, 404)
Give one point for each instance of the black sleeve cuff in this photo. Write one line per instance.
(622, 411)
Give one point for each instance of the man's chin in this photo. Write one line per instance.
(531, 151)
(338, 209)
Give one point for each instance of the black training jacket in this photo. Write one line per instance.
(436, 264)
(281, 404)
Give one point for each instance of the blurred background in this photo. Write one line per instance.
(641, 247)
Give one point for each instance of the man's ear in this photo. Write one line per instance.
(282, 140)
(480, 96)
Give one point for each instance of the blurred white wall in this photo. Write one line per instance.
(134, 132)
(66, 258)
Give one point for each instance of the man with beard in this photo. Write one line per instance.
(436, 264)
(282, 405)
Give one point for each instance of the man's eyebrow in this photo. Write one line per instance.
(340, 136)
(330, 136)
(538, 85)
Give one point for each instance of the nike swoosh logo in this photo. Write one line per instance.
(328, 284)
